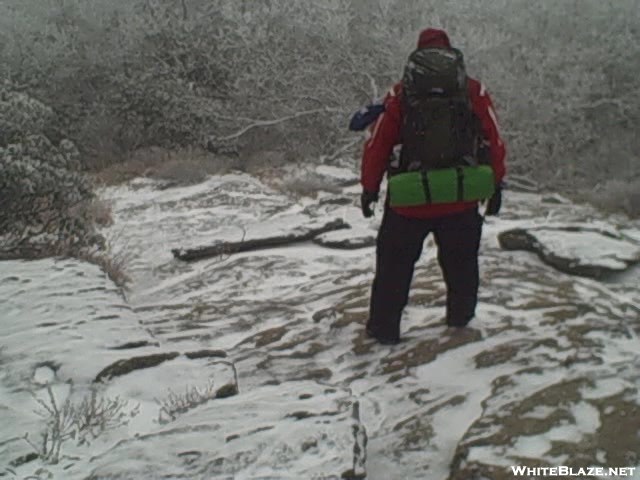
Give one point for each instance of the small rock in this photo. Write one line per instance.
(128, 365)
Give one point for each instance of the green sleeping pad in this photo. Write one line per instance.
(441, 186)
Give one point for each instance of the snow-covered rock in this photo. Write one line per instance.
(576, 250)
(285, 432)
(296, 314)
(78, 354)
(576, 419)
(62, 321)
(65, 314)
(549, 358)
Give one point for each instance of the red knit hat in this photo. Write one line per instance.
(433, 37)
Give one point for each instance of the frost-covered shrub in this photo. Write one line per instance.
(160, 110)
(21, 115)
(284, 76)
(125, 75)
(43, 194)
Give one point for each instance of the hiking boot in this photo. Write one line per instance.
(381, 340)
(462, 333)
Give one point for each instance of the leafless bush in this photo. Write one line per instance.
(113, 261)
(81, 422)
(113, 265)
(95, 415)
(177, 403)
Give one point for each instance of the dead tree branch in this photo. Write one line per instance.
(270, 123)
(228, 248)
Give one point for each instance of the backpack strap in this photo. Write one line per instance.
(460, 178)
(425, 185)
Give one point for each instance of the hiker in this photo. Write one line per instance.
(442, 127)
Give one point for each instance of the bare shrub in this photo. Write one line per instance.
(114, 266)
(95, 415)
(139, 163)
(82, 422)
(113, 261)
(177, 403)
(266, 162)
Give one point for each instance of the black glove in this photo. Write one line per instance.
(366, 199)
(495, 202)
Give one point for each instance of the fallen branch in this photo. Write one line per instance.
(228, 248)
(375, 91)
(521, 183)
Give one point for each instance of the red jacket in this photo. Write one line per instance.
(386, 135)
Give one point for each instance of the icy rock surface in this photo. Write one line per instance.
(62, 321)
(66, 314)
(64, 335)
(547, 375)
(298, 431)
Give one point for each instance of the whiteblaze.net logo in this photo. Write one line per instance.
(563, 471)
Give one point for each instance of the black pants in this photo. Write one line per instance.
(399, 246)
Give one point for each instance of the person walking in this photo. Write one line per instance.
(414, 133)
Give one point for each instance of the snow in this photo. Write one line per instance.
(84, 317)
(252, 439)
(291, 322)
(341, 174)
(66, 302)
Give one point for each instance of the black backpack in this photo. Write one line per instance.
(439, 128)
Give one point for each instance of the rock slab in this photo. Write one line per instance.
(581, 251)
(285, 432)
